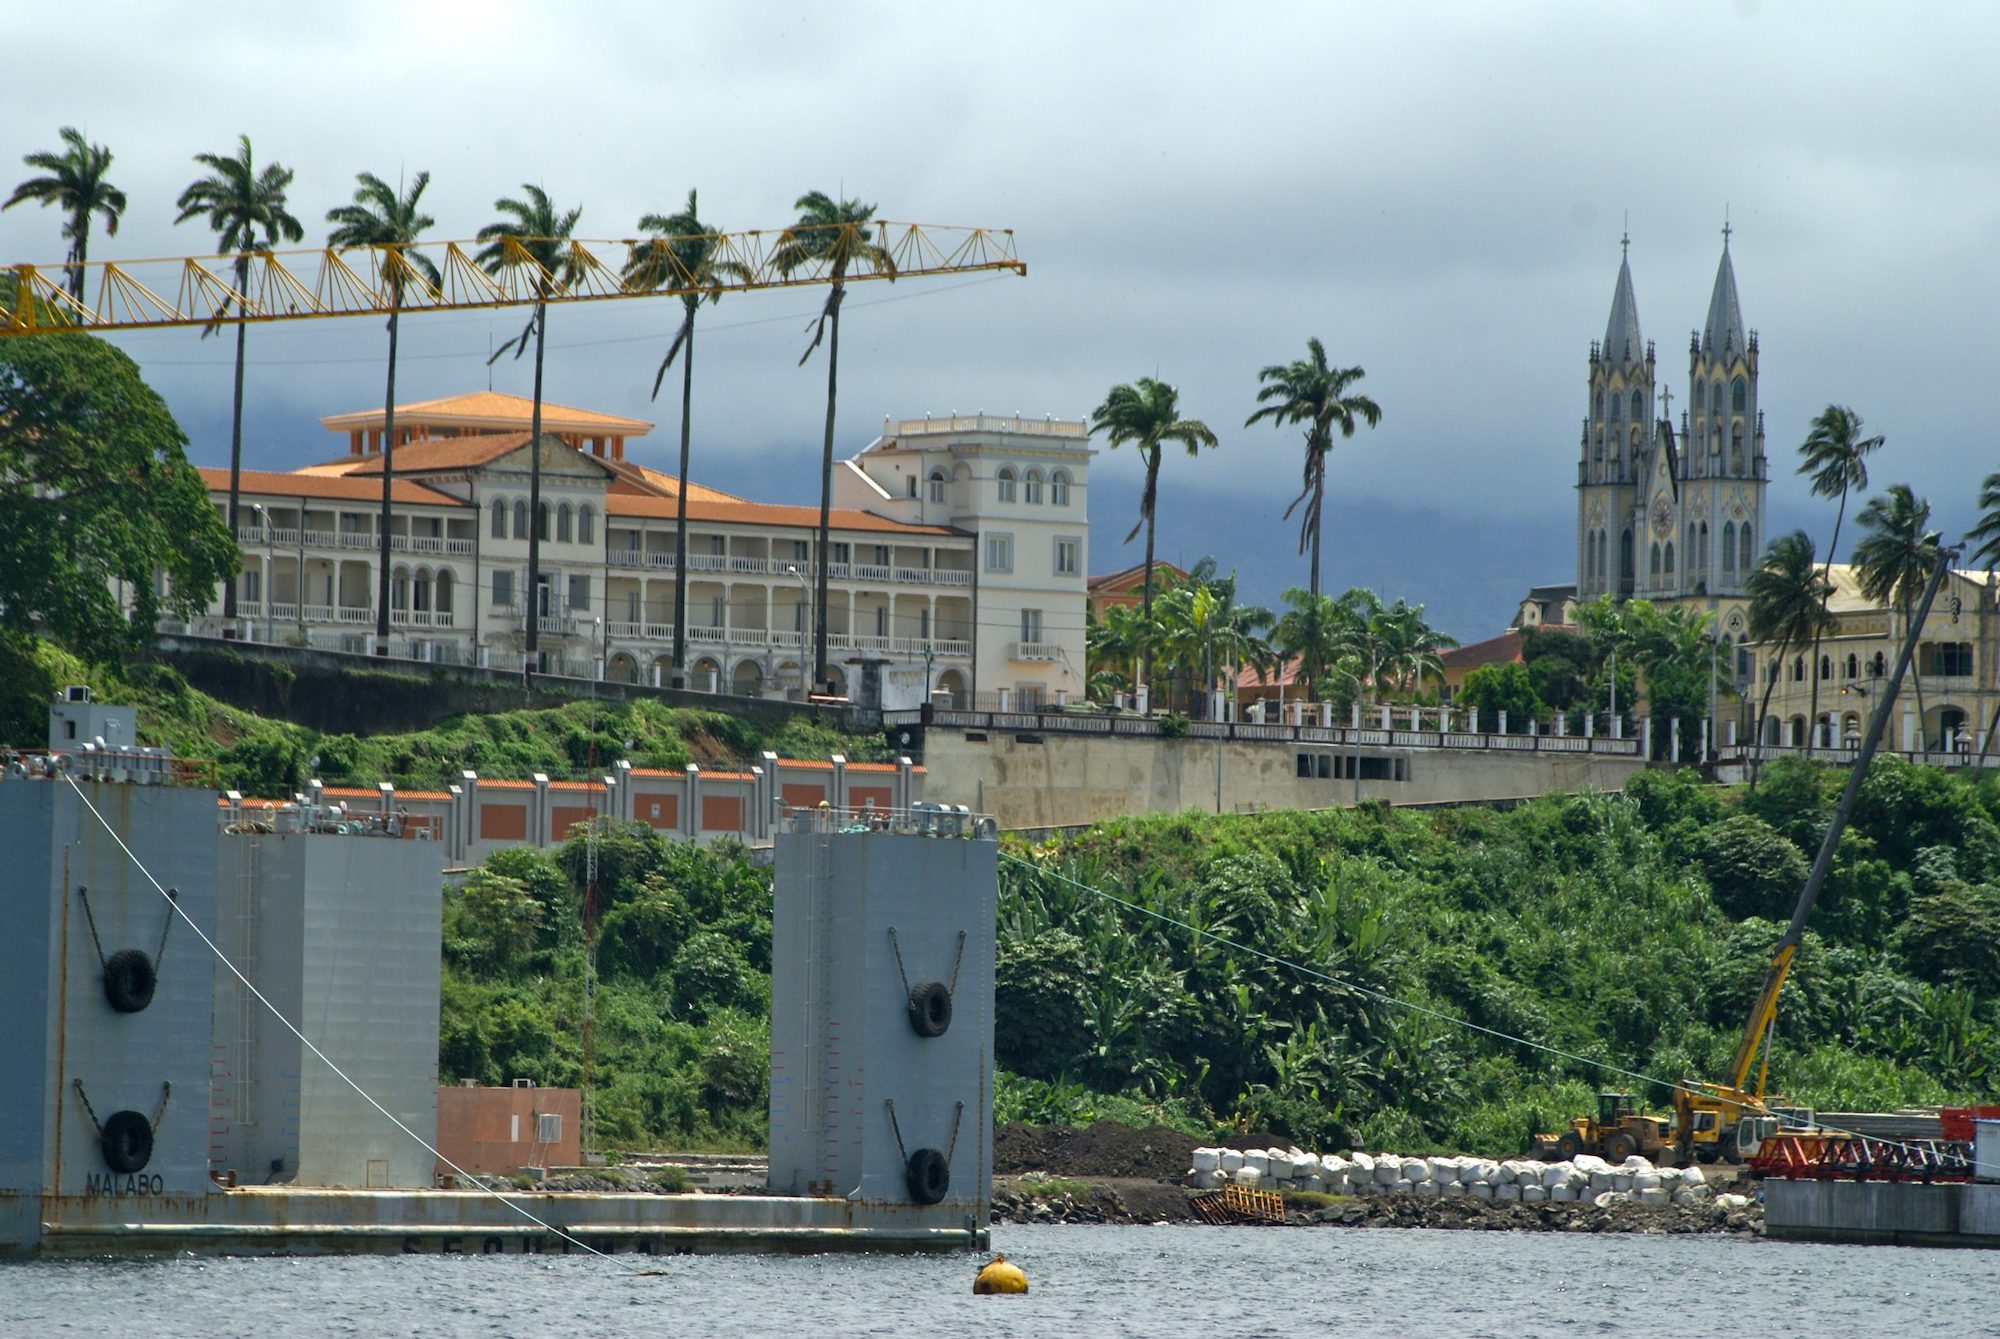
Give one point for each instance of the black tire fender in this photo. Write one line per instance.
(129, 979)
(929, 1176)
(930, 1008)
(126, 1142)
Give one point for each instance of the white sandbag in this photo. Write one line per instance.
(1562, 1194)
(1509, 1193)
(1534, 1194)
(1693, 1176)
(1689, 1196)
(1314, 1183)
(1427, 1189)
(1454, 1190)
(1280, 1169)
(1389, 1171)
(1416, 1169)
(1231, 1161)
(1479, 1190)
(1205, 1178)
(1363, 1164)
(1333, 1164)
(1645, 1180)
(1207, 1159)
(1652, 1198)
(1501, 1174)
(1602, 1180)
(1557, 1174)
(1443, 1170)
(1249, 1177)
(1621, 1181)
(1304, 1165)
(1636, 1163)
(1258, 1161)
(1589, 1162)
(1336, 1183)
(1611, 1197)
(1731, 1201)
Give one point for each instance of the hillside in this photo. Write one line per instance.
(260, 756)
(1628, 929)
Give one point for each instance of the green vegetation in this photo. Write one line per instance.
(1631, 930)
(268, 758)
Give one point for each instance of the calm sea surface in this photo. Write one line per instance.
(1207, 1282)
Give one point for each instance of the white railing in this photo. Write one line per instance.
(869, 572)
(360, 614)
(708, 562)
(355, 539)
(282, 613)
(1036, 651)
(625, 557)
(755, 566)
(320, 539)
(1014, 423)
(285, 539)
(319, 613)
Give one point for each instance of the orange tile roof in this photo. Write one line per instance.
(766, 514)
(484, 784)
(499, 409)
(654, 771)
(1130, 578)
(725, 776)
(446, 453)
(871, 767)
(634, 477)
(805, 762)
(270, 483)
(423, 795)
(597, 786)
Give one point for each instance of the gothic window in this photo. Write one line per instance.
(1853, 666)
(542, 522)
(1729, 546)
(1736, 448)
(1590, 557)
(1600, 404)
(520, 520)
(1615, 403)
(1701, 562)
(1879, 666)
(937, 485)
(1715, 397)
(1638, 407)
(1738, 394)
(1688, 549)
(1798, 669)
(565, 520)
(1825, 668)
(1625, 563)
(1597, 451)
(399, 589)
(1653, 561)
(1670, 558)
(1747, 555)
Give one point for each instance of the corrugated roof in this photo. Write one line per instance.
(498, 409)
(766, 514)
(337, 488)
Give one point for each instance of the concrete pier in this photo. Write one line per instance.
(1885, 1213)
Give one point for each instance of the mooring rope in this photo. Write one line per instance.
(251, 986)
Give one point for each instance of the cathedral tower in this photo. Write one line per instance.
(1617, 441)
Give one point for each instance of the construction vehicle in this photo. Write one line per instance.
(1615, 1133)
(1729, 1120)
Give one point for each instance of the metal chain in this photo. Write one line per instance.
(899, 960)
(955, 964)
(96, 943)
(167, 1090)
(952, 1143)
(890, 1103)
(174, 896)
(88, 1110)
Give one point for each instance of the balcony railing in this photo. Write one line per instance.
(789, 639)
(1036, 651)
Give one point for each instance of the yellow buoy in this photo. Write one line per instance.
(1000, 1276)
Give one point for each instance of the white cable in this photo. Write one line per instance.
(1426, 1010)
(307, 1042)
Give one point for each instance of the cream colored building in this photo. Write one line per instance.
(1958, 657)
(955, 560)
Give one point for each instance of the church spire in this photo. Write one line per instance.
(1622, 341)
(1724, 328)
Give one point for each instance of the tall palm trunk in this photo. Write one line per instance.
(681, 513)
(236, 457)
(1763, 709)
(823, 552)
(1917, 681)
(1826, 574)
(1319, 515)
(528, 665)
(388, 476)
(1145, 674)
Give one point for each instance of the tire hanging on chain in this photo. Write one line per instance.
(125, 1138)
(130, 976)
(929, 1001)
(926, 1172)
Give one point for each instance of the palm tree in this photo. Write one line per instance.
(1894, 563)
(1317, 630)
(75, 183)
(1147, 414)
(1987, 531)
(684, 257)
(829, 235)
(382, 216)
(1836, 456)
(532, 233)
(1411, 647)
(1788, 595)
(1308, 391)
(246, 208)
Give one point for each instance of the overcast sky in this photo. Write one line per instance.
(1436, 191)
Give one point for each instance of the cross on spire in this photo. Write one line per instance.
(1625, 240)
(1725, 227)
(1667, 403)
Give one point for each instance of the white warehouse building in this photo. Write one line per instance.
(956, 556)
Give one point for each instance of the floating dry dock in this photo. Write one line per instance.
(284, 1221)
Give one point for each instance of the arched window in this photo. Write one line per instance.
(1825, 668)
(1670, 558)
(1031, 487)
(1747, 556)
(565, 519)
(1006, 483)
(1638, 407)
(1688, 548)
(399, 589)
(542, 522)
(1729, 546)
(586, 524)
(1597, 451)
(1625, 556)
(937, 485)
(1798, 669)
(1590, 556)
(1853, 666)
(499, 519)
(1600, 404)
(520, 520)
(1653, 561)
(420, 591)
(1616, 406)
(1878, 666)
(444, 585)
(1736, 448)
(1739, 394)
(1701, 559)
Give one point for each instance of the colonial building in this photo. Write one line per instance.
(955, 557)
(1673, 515)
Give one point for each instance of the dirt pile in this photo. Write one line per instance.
(1103, 1149)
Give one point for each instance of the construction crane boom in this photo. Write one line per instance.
(322, 282)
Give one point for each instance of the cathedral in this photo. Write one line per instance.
(1673, 513)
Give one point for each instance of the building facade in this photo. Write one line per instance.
(1674, 515)
(955, 556)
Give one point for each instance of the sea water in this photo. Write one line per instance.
(1084, 1281)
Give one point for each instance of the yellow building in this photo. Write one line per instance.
(1957, 669)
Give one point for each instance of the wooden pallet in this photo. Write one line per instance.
(1236, 1204)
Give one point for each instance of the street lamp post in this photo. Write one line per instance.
(270, 560)
(806, 633)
